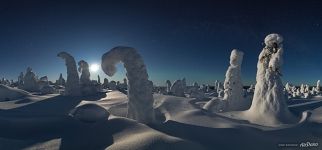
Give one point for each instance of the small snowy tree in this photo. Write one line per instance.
(233, 87)
(140, 105)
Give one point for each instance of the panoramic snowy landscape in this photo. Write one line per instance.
(80, 113)
(160, 76)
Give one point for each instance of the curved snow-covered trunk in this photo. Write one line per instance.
(269, 105)
(72, 83)
(140, 105)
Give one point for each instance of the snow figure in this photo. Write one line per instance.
(221, 93)
(317, 89)
(216, 84)
(44, 86)
(83, 68)
(140, 105)
(184, 84)
(168, 83)
(220, 87)
(177, 88)
(87, 86)
(233, 85)
(112, 85)
(298, 92)
(302, 89)
(72, 83)
(98, 79)
(269, 105)
(288, 87)
(105, 83)
(20, 80)
(61, 80)
(207, 88)
(124, 83)
(195, 85)
(251, 88)
(30, 81)
(203, 88)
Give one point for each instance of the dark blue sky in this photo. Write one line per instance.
(177, 39)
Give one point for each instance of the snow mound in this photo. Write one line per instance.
(90, 113)
(8, 93)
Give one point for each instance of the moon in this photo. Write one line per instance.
(94, 67)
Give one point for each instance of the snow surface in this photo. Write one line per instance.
(9, 93)
(43, 122)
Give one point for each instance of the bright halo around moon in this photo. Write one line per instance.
(94, 67)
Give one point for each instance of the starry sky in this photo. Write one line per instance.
(176, 39)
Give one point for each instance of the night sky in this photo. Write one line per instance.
(176, 39)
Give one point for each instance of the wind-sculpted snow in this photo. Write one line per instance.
(233, 85)
(72, 83)
(140, 106)
(90, 113)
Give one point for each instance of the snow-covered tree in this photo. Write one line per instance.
(140, 105)
(168, 83)
(317, 89)
(61, 80)
(269, 105)
(233, 87)
(72, 83)
(87, 86)
(30, 81)
(177, 88)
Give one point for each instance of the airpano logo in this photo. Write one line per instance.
(302, 145)
(309, 144)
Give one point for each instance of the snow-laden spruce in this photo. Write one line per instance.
(30, 81)
(20, 80)
(72, 83)
(140, 105)
(269, 105)
(83, 68)
(233, 87)
(317, 89)
(177, 88)
(168, 85)
(86, 85)
(61, 80)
